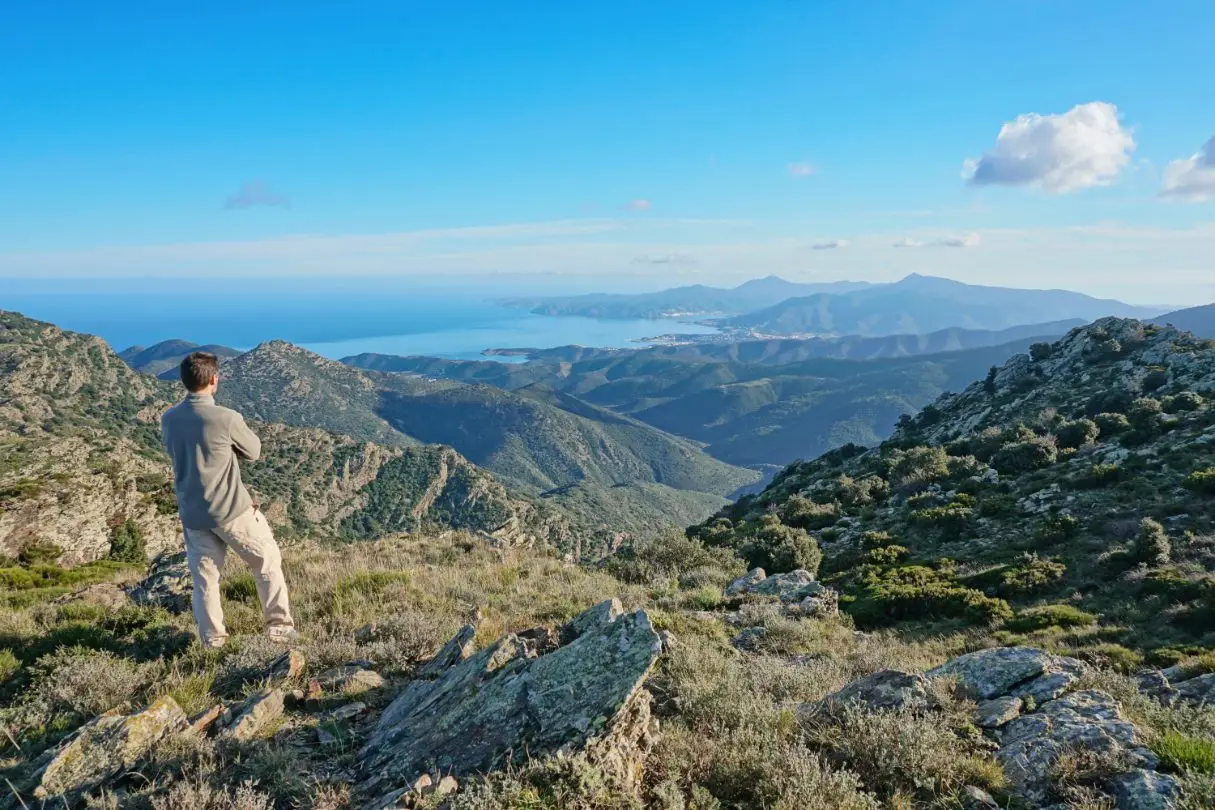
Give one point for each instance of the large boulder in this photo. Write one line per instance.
(1011, 671)
(1199, 691)
(105, 748)
(887, 689)
(167, 584)
(504, 704)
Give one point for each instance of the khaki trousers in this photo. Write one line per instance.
(250, 537)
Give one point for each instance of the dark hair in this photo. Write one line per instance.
(197, 370)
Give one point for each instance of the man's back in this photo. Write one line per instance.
(204, 441)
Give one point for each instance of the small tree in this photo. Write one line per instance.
(127, 543)
(778, 548)
(1152, 543)
(1077, 433)
(1040, 351)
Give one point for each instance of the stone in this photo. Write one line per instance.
(349, 680)
(1198, 691)
(1155, 684)
(974, 798)
(167, 584)
(793, 586)
(823, 605)
(349, 711)
(997, 711)
(887, 689)
(599, 616)
(540, 640)
(1145, 790)
(749, 639)
(745, 582)
(105, 748)
(998, 671)
(325, 738)
(1046, 686)
(1033, 743)
(501, 706)
(202, 722)
(287, 666)
(457, 649)
(254, 716)
(104, 594)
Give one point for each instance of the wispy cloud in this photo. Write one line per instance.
(832, 244)
(800, 169)
(1084, 147)
(1191, 179)
(666, 258)
(638, 205)
(256, 193)
(966, 240)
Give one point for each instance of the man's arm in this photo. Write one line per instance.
(245, 441)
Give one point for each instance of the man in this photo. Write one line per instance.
(204, 441)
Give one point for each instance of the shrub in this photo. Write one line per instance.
(918, 465)
(1077, 433)
(1025, 456)
(1031, 575)
(88, 682)
(1180, 753)
(951, 519)
(1111, 423)
(1057, 529)
(1181, 403)
(240, 588)
(1155, 378)
(673, 556)
(8, 665)
(1047, 616)
(1201, 481)
(1144, 412)
(861, 492)
(803, 513)
(1040, 351)
(918, 592)
(127, 543)
(998, 506)
(888, 555)
(1112, 656)
(1117, 401)
(1101, 475)
(39, 552)
(778, 548)
(1152, 543)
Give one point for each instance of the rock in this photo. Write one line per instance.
(167, 584)
(287, 666)
(106, 747)
(540, 640)
(367, 633)
(997, 711)
(254, 715)
(325, 738)
(1174, 673)
(791, 587)
(349, 680)
(597, 617)
(1092, 720)
(974, 798)
(453, 652)
(350, 710)
(1145, 790)
(823, 605)
(1047, 686)
(749, 639)
(998, 671)
(745, 582)
(104, 594)
(500, 706)
(1198, 691)
(202, 722)
(1156, 685)
(887, 689)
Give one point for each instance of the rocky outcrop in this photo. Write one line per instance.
(1177, 684)
(104, 749)
(349, 680)
(797, 590)
(504, 703)
(1015, 671)
(167, 584)
(887, 689)
(253, 717)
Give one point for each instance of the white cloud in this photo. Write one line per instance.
(1083, 147)
(638, 205)
(800, 169)
(1192, 179)
(832, 244)
(256, 193)
(965, 240)
(666, 258)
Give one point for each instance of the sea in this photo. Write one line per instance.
(334, 320)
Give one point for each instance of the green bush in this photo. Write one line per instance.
(919, 592)
(951, 519)
(1201, 481)
(1025, 456)
(803, 513)
(918, 465)
(1111, 423)
(1047, 616)
(673, 556)
(1182, 403)
(1155, 379)
(1031, 574)
(1040, 351)
(1144, 412)
(887, 555)
(8, 665)
(861, 492)
(1077, 433)
(1180, 753)
(1112, 656)
(39, 552)
(1101, 475)
(240, 588)
(1057, 529)
(127, 543)
(778, 548)
(1152, 543)
(995, 505)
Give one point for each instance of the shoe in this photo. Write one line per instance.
(287, 638)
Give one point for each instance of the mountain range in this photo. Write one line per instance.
(919, 304)
(164, 357)
(1199, 320)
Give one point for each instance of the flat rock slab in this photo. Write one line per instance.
(349, 680)
(167, 584)
(887, 689)
(999, 671)
(105, 748)
(254, 715)
(503, 705)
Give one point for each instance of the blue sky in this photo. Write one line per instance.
(627, 143)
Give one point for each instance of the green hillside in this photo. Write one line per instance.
(1068, 499)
